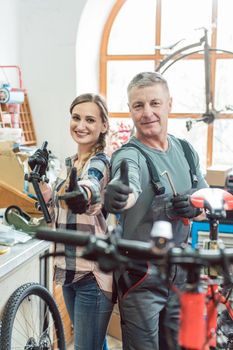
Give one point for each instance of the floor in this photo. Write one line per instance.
(113, 344)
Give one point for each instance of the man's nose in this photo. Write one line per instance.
(147, 111)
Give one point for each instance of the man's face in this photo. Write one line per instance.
(149, 108)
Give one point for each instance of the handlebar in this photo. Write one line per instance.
(160, 249)
(116, 250)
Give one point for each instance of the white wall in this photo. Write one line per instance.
(89, 38)
(56, 44)
(9, 43)
(47, 37)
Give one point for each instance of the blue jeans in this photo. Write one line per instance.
(90, 311)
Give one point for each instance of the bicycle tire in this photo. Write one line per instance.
(182, 56)
(19, 331)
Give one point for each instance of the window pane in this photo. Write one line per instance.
(197, 136)
(181, 17)
(119, 74)
(224, 79)
(223, 148)
(186, 81)
(133, 31)
(225, 27)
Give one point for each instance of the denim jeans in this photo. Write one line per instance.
(89, 310)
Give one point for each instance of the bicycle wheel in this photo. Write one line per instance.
(224, 331)
(31, 321)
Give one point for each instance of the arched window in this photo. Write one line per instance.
(138, 35)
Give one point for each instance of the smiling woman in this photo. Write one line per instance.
(86, 126)
(77, 201)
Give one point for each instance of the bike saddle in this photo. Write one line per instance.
(216, 200)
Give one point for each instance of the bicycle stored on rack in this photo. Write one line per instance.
(200, 47)
(200, 299)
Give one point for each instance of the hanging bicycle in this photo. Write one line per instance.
(200, 47)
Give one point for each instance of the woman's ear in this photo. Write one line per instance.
(104, 128)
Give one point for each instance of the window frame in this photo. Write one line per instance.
(157, 57)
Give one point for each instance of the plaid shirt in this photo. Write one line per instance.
(95, 176)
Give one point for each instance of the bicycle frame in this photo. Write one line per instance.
(198, 306)
(195, 303)
(210, 113)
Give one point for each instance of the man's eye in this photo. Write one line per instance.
(138, 106)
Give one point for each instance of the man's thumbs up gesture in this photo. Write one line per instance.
(117, 191)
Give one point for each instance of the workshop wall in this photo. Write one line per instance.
(40, 37)
(56, 45)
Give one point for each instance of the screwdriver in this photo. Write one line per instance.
(185, 221)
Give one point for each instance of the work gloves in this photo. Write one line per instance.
(182, 207)
(75, 197)
(40, 159)
(117, 191)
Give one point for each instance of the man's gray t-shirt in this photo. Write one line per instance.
(174, 162)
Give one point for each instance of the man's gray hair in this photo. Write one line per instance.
(145, 79)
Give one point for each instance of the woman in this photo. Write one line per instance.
(87, 290)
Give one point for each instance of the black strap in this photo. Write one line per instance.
(190, 159)
(157, 186)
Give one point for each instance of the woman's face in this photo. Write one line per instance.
(86, 125)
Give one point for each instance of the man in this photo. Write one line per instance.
(149, 309)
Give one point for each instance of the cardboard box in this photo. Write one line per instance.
(11, 165)
(114, 328)
(13, 188)
(216, 175)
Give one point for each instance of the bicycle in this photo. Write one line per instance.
(198, 304)
(202, 46)
(31, 319)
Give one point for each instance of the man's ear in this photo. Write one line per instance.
(170, 103)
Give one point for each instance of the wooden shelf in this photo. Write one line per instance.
(11, 196)
(25, 120)
(26, 123)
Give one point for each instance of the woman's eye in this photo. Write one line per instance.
(90, 120)
(75, 117)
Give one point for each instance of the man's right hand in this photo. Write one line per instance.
(39, 158)
(117, 192)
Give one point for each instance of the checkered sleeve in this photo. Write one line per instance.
(95, 178)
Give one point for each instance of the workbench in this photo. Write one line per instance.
(22, 264)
